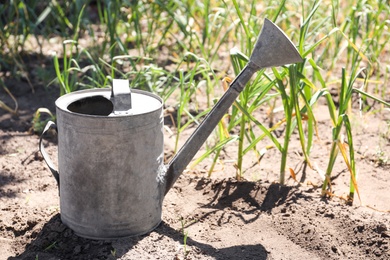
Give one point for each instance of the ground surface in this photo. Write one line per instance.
(208, 218)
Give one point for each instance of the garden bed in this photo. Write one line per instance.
(206, 218)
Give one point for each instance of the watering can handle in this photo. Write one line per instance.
(49, 125)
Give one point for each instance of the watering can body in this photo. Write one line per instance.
(111, 175)
(110, 168)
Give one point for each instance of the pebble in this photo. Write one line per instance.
(77, 250)
(381, 228)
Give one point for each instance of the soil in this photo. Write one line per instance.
(209, 218)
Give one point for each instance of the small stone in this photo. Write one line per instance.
(329, 215)
(385, 234)
(58, 228)
(77, 250)
(381, 228)
(67, 233)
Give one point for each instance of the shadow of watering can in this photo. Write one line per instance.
(111, 175)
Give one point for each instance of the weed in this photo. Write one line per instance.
(113, 252)
(186, 251)
(382, 157)
(51, 246)
(5, 106)
(38, 122)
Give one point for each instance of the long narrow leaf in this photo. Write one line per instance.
(215, 148)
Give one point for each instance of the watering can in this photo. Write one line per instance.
(111, 175)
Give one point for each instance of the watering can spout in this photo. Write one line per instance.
(273, 48)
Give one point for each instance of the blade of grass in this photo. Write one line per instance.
(351, 162)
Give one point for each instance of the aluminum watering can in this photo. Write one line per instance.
(111, 175)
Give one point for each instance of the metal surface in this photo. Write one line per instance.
(109, 166)
(121, 96)
(110, 148)
(272, 48)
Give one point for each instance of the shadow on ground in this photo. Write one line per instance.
(56, 241)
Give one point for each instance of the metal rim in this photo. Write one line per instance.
(64, 101)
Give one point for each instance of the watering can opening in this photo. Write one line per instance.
(119, 103)
(95, 105)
